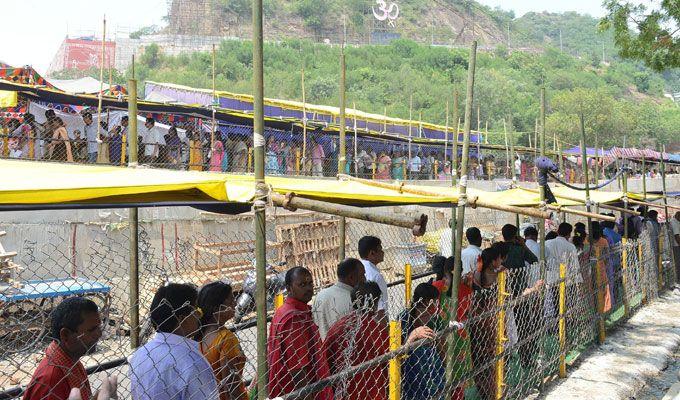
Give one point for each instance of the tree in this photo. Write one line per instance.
(655, 37)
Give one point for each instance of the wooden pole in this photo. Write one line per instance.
(472, 201)
(354, 125)
(292, 202)
(600, 205)
(456, 119)
(214, 103)
(101, 84)
(665, 202)
(304, 120)
(134, 220)
(343, 156)
(410, 123)
(446, 132)
(507, 150)
(460, 217)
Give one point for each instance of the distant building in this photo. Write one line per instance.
(82, 54)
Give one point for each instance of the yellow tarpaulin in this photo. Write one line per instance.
(46, 183)
(8, 99)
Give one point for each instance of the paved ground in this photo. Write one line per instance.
(664, 384)
(633, 355)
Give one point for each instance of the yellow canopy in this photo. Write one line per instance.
(8, 99)
(39, 183)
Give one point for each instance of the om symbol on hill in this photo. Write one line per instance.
(385, 12)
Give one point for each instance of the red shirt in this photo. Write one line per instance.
(351, 342)
(294, 343)
(56, 375)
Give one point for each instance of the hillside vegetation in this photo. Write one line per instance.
(617, 99)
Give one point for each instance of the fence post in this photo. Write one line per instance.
(643, 273)
(5, 143)
(297, 161)
(624, 276)
(250, 159)
(395, 363)
(500, 336)
(278, 301)
(408, 284)
(403, 170)
(599, 281)
(562, 322)
(373, 167)
(123, 149)
(134, 220)
(660, 257)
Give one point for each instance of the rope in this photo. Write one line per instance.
(612, 179)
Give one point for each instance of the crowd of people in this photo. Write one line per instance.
(311, 337)
(185, 145)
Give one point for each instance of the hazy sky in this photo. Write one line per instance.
(34, 29)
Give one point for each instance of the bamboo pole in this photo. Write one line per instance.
(648, 204)
(507, 149)
(259, 205)
(473, 201)
(214, 101)
(460, 217)
(512, 152)
(581, 213)
(304, 119)
(134, 220)
(601, 205)
(354, 125)
(665, 202)
(446, 133)
(599, 281)
(101, 86)
(410, 123)
(456, 119)
(343, 156)
(644, 177)
(624, 248)
(292, 202)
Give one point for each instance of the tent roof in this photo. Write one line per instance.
(86, 85)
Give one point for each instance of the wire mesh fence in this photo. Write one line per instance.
(75, 134)
(513, 328)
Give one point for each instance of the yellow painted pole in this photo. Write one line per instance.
(395, 363)
(500, 336)
(599, 280)
(562, 322)
(436, 167)
(123, 150)
(250, 159)
(373, 175)
(624, 276)
(297, 162)
(660, 259)
(278, 301)
(403, 170)
(643, 277)
(408, 283)
(5, 143)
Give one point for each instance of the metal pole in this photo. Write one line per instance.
(462, 199)
(259, 205)
(134, 219)
(342, 160)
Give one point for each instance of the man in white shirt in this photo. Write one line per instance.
(561, 251)
(152, 138)
(446, 241)
(170, 365)
(414, 166)
(90, 131)
(334, 302)
(471, 253)
(371, 253)
(518, 168)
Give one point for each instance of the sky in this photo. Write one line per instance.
(36, 35)
(521, 7)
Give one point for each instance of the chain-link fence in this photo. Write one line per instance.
(513, 328)
(47, 131)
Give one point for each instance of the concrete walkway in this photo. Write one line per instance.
(635, 352)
